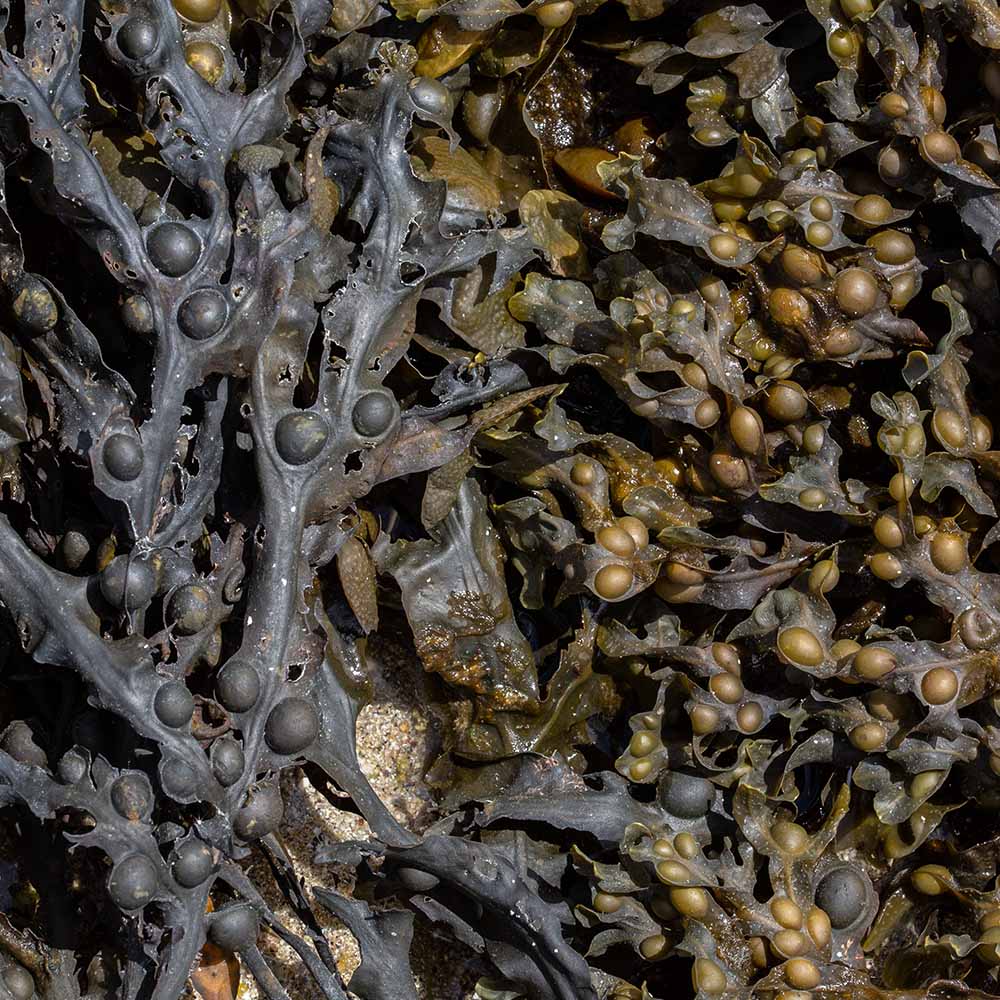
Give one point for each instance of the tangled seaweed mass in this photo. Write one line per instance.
(634, 359)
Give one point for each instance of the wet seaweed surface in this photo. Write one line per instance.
(633, 362)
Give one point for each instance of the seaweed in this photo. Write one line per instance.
(630, 364)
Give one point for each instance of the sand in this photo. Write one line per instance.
(398, 738)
